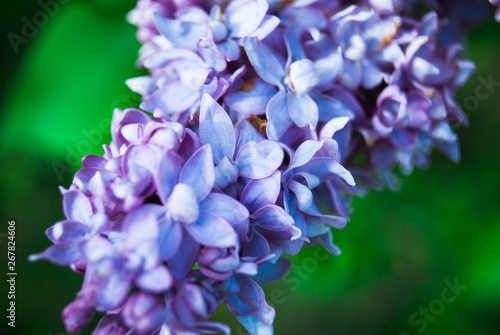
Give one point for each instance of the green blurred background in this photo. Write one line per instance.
(399, 250)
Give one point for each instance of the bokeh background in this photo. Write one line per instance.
(59, 85)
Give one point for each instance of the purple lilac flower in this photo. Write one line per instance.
(249, 306)
(367, 42)
(291, 104)
(268, 223)
(386, 6)
(457, 17)
(190, 57)
(111, 324)
(240, 18)
(497, 13)
(250, 160)
(143, 312)
(415, 111)
(312, 182)
(257, 113)
(142, 15)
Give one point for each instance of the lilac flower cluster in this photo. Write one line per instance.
(496, 3)
(256, 119)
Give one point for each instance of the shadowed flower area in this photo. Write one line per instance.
(207, 196)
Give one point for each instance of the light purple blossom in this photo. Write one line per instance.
(367, 42)
(497, 13)
(262, 120)
(251, 160)
(291, 104)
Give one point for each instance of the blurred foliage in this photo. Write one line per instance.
(58, 93)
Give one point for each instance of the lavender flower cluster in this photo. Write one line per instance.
(259, 115)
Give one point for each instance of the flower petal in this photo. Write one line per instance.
(278, 119)
(174, 97)
(252, 97)
(169, 239)
(450, 149)
(333, 221)
(246, 132)
(211, 55)
(230, 49)
(403, 138)
(143, 312)
(261, 192)
(67, 232)
(332, 126)
(244, 16)
(256, 248)
(268, 24)
(302, 193)
(326, 167)
(328, 67)
(60, 254)
(264, 61)
(253, 324)
(168, 174)
(259, 160)
(210, 327)
(143, 85)
(305, 152)
(190, 143)
(94, 161)
(77, 207)
(185, 257)
(181, 34)
(326, 241)
(194, 298)
(302, 110)
(182, 205)
(269, 273)
(252, 296)
(211, 230)
(272, 217)
(155, 280)
(351, 74)
(112, 291)
(198, 172)
(216, 129)
(225, 207)
(302, 76)
(110, 324)
(225, 174)
(372, 76)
